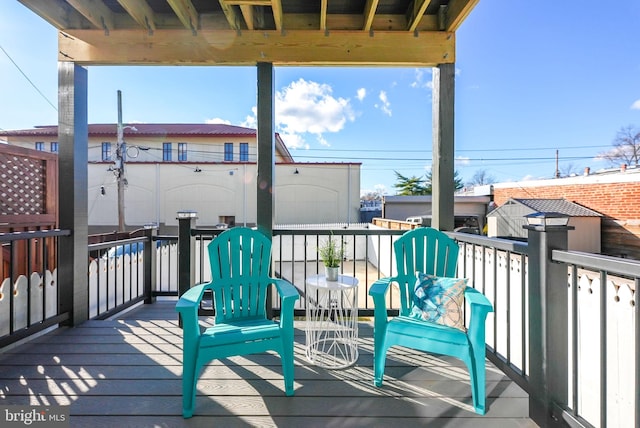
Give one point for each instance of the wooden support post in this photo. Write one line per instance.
(442, 171)
(266, 149)
(186, 251)
(150, 259)
(73, 136)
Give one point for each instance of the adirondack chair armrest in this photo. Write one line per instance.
(480, 308)
(288, 295)
(378, 291)
(187, 307)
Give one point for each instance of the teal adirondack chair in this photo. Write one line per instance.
(240, 262)
(429, 251)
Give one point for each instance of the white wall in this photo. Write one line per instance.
(319, 193)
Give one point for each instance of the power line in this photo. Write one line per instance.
(457, 150)
(28, 80)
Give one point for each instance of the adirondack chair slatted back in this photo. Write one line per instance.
(432, 252)
(425, 250)
(240, 261)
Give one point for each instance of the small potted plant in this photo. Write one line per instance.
(332, 254)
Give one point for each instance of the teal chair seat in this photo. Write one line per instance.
(240, 266)
(432, 252)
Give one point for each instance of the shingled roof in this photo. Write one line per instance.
(175, 130)
(561, 206)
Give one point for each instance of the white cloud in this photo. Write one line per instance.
(385, 105)
(310, 107)
(251, 121)
(294, 141)
(635, 105)
(218, 120)
(461, 160)
(361, 93)
(422, 78)
(306, 107)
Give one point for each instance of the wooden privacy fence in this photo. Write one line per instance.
(28, 202)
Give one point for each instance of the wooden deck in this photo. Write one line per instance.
(126, 373)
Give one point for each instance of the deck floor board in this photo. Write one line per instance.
(126, 372)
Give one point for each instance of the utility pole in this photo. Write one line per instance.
(121, 150)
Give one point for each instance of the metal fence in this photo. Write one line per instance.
(595, 363)
(29, 298)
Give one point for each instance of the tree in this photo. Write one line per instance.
(457, 181)
(481, 177)
(374, 195)
(568, 170)
(626, 147)
(409, 186)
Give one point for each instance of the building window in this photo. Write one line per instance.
(166, 152)
(182, 151)
(244, 152)
(228, 152)
(54, 147)
(106, 151)
(40, 146)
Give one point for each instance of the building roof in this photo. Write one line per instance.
(174, 130)
(561, 206)
(144, 129)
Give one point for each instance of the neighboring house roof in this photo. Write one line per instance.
(561, 206)
(156, 129)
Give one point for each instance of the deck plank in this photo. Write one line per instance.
(127, 373)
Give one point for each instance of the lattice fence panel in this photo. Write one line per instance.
(22, 185)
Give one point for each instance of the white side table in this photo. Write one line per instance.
(332, 321)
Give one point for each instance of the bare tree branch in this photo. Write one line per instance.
(626, 147)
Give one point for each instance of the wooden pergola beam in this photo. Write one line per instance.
(96, 12)
(141, 13)
(457, 12)
(416, 12)
(369, 13)
(296, 47)
(186, 12)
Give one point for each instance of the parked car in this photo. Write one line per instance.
(119, 250)
(461, 223)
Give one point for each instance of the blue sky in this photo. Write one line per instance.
(530, 80)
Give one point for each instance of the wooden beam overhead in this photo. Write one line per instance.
(342, 32)
(96, 12)
(415, 13)
(141, 13)
(369, 14)
(230, 14)
(59, 15)
(186, 12)
(323, 14)
(276, 5)
(457, 12)
(296, 47)
(247, 14)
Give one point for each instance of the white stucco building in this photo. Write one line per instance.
(207, 168)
